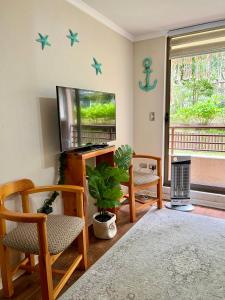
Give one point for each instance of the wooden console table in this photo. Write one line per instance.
(75, 174)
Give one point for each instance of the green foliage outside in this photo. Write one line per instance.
(202, 112)
(97, 97)
(100, 112)
(205, 111)
(196, 95)
(199, 88)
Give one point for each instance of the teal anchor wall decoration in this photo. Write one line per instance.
(147, 62)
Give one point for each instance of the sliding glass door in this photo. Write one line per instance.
(195, 108)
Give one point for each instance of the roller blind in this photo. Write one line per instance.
(198, 43)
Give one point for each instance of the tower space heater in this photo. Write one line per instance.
(180, 183)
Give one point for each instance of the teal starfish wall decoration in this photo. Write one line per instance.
(73, 36)
(97, 66)
(43, 39)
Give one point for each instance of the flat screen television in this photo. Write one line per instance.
(85, 117)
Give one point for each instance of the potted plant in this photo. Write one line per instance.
(104, 186)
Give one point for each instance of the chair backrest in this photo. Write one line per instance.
(7, 190)
(14, 187)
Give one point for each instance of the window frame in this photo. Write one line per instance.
(166, 181)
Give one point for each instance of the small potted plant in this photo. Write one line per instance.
(104, 186)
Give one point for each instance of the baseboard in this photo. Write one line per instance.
(201, 198)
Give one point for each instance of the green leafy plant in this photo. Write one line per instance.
(104, 180)
(104, 185)
(47, 206)
(123, 156)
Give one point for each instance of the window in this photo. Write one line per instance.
(196, 106)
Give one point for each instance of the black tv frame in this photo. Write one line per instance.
(89, 146)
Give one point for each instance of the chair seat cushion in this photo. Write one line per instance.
(142, 177)
(61, 232)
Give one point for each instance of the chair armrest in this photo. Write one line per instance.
(22, 217)
(63, 188)
(39, 219)
(147, 156)
(48, 188)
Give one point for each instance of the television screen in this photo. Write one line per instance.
(85, 117)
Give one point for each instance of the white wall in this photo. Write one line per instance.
(28, 77)
(28, 123)
(149, 136)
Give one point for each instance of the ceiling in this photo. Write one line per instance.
(141, 17)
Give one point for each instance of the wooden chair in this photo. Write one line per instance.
(37, 233)
(140, 181)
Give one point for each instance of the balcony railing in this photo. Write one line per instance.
(93, 134)
(197, 138)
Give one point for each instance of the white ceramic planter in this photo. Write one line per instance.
(105, 230)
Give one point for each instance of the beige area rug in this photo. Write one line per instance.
(166, 255)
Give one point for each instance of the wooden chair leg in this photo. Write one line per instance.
(31, 263)
(46, 277)
(5, 272)
(132, 203)
(159, 195)
(82, 248)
